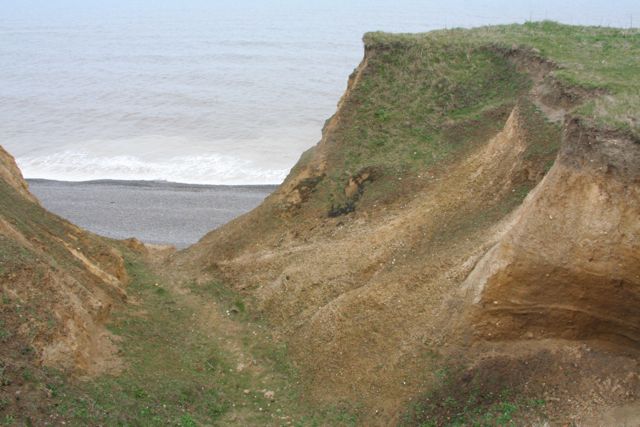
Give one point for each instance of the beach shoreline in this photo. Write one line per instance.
(155, 212)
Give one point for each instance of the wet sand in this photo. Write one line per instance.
(153, 212)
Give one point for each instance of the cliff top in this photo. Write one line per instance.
(597, 59)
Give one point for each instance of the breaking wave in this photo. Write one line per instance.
(211, 169)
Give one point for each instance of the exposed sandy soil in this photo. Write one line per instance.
(374, 301)
(58, 284)
(11, 175)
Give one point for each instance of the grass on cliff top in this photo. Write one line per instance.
(420, 101)
(416, 106)
(408, 101)
(424, 98)
(589, 57)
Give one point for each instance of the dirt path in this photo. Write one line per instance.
(236, 337)
(262, 386)
(192, 355)
(267, 397)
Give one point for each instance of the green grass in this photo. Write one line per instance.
(543, 137)
(589, 57)
(175, 375)
(472, 404)
(231, 301)
(4, 333)
(8, 420)
(423, 98)
(505, 411)
(413, 104)
(13, 256)
(183, 375)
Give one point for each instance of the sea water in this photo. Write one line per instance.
(206, 92)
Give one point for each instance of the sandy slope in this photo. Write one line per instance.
(66, 277)
(453, 271)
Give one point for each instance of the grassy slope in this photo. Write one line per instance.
(589, 57)
(193, 357)
(27, 270)
(422, 98)
(41, 286)
(415, 105)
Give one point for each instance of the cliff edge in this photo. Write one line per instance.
(471, 212)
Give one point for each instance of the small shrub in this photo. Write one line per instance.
(187, 421)
(342, 209)
(8, 420)
(27, 375)
(4, 333)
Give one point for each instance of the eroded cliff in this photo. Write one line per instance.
(58, 284)
(461, 247)
(467, 203)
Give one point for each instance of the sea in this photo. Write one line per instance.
(204, 92)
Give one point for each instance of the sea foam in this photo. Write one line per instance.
(213, 169)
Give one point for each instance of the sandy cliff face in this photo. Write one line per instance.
(11, 175)
(449, 262)
(569, 265)
(58, 283)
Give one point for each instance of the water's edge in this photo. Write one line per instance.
(150, 183)
(155, 212)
